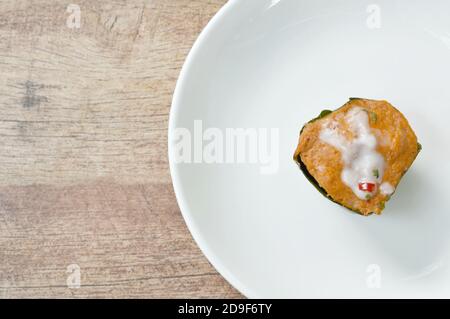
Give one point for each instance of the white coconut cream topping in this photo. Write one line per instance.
(387, 189)
(363, 165)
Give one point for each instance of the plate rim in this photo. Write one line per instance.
(213, 259)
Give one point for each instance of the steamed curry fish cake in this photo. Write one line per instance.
(357, 155)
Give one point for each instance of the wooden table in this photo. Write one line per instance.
(83, 139)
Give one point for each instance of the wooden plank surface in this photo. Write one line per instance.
(84, 176)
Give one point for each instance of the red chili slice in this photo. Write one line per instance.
(367, 187)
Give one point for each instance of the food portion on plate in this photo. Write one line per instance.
(357, 155)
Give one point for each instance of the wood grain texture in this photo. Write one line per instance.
(84, 175)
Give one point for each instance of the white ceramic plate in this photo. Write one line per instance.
(277, 64)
